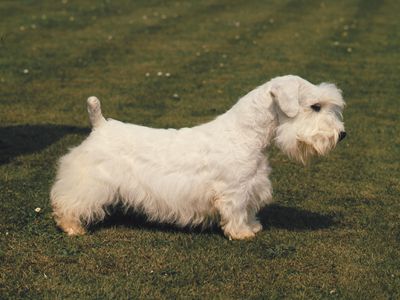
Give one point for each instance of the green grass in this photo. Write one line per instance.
(333, 231)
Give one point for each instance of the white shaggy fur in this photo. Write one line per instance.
(214, 172)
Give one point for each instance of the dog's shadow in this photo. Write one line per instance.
(273, 216)
(117, 218)
(295, 219)
(27, 139)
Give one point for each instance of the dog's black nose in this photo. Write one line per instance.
(342, 135)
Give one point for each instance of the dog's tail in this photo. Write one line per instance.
(94, 110)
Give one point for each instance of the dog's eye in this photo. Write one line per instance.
(316, 107)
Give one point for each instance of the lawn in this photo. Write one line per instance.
(333, 231)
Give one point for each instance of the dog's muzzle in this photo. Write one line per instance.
(342, 135)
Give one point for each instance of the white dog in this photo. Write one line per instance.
(214, 172)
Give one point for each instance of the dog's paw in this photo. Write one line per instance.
(256, 226)
(70, 227)
(244, 234)
(74, 231)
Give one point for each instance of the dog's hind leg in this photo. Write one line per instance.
(84, 204)
(81, 193)
(70, 224)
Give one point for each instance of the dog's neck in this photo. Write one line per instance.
(255, 116)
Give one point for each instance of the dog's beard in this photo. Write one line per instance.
(316, 146)
(303, 149)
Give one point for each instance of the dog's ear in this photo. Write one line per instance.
(285, 93)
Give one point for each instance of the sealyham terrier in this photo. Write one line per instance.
(214, 172)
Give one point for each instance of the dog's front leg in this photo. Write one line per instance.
(235, 221)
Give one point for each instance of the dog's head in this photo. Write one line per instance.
(309, 116)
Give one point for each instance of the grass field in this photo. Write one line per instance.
(334, 229)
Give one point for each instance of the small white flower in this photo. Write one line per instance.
(26, 71)
(336, 43)
(349, 49)
(176, 96)
(167, 74)
(6, 232)
(147, 74)
(159, 73)
(237, 24)
(22, 28)
(110, 37)
(38, 209)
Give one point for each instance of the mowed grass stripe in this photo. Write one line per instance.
(340, 57)
(367, 171)
(323, 60)
(206, 67)
(175, 18)
(376, 101)
(367, 19)
(54, 57)
(78, 72)
(96, 54)
(158, 106)
(365, 167)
